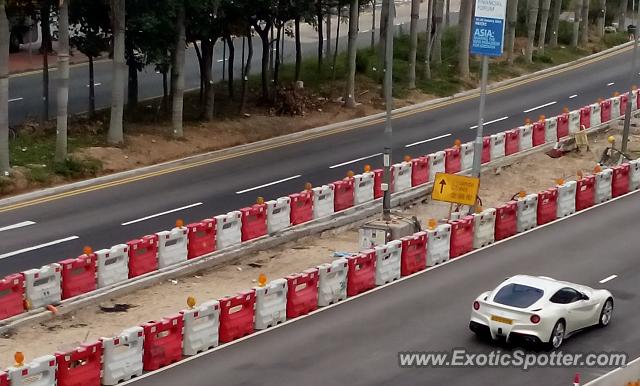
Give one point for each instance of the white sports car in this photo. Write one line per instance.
(539, 310)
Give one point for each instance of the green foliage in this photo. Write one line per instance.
(90, 26)
(565, 32)
(615, 39)
(76, 168)
(362, 62)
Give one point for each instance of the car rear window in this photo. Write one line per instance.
(518, 295)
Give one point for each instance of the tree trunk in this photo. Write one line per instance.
(622, 15)
(601, 15)
(298, 48)
(447, 10)
(4, 91)
(92, 88)
(544, 17)
(132, 67)
(532, 20)
(208, 46)
(577, 17)
(427, 52)
(198, 51)
(116, 135)
(230, 67)
(413, 42)
(320, 18)
(328, 50)
(466, 11)
(512, 20)
(177, 76)
(373, 24)
(276, 67)
(62, 97)
(437, 39)
(45, 48)
(584, 24)
(382, 39)
(555, 24)
(337, 47)
(165, 91)
(264, 37)
(247, 70)
(350, 98)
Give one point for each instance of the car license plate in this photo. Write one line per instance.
(501, 319)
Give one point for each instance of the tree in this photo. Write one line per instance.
(262, 19)
(555, 24)
(319, 26)
(512, 21)
(116, 135)
(382, 39)
(532, 19)
(413, 42)
(177, 71)
(62, 98)
(601, 15)
(584, 24)
(428, 40)
(544, 17)
(335, 52)
(437, 38)
(622, 15)
(577, 18)
(4, 90)
(354, 8)
(247, 70)
(466, 13)
(45, 49)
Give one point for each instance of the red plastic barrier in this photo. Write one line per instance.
(563, 125)
(585, 192)
(361, 276)
(506, 220)
(236, 316)
(638, 100)
(343, 194)
(452, 160)
(202, 238)
(547, 206)
(511, 141)
(377, 183)
(486, 149)
(461, 236)
(11, 295)
(538, 133)
(162, 342)
(419, 171)
(624, 99)
(605, 111)
(80, 367)
(302, 293)
(414, 253)
(254, 221)
(78, 275)
(585, 117)
(4, 379)
(143, 255)
(620, 182)
(301, 207)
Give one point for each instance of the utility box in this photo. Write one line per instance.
(379, 232)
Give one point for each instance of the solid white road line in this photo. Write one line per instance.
(375, 289)
(269, 184)
(15, 100)
(488, 123)
(99, 84)
(355, 160)
(18, 225)
(161, 214)
(9, 254)
(610, 84)
(539, 107)
(606, 279)
(573, 96)
(428, 140)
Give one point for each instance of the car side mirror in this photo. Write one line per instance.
(583, 296)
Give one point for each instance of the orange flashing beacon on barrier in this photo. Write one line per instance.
(455, 189)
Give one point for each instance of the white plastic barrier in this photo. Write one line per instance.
(39, 372)
(401, 176)
(566, 203)
(603, 185)
(363, 188)
(634, 100)
(201, 326)
(113, 265)
(484, 228)
(278, 214)
(323, 201)
(228, 229)
(615, 107)
(574, 122)
(332, 286)
(438, 244)
(172, 247)
(497, 146)
(595, 114)
(526, 137)
(527, 212)
(122, 356)
(271, 304)
(436, 164)
(551, 130)
(42, 285)
(634, 174)
(388, 262)
(466, 155)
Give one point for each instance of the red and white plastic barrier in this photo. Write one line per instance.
(484, 224)
(438, 244)
(526, 137)
(551, 130)
(466, 151)
(377, 183)
(566, 199)
(78, 275)
(363, 188)
(547, 206)
(172, 247)
(562, 123)
(603, 186)
(4, 379)
(575, 120)
(436, 164)
(323, 201)
(506, 220)
(414, 253)
(228, 229)
(527, 212)
(332, 283)
(453, 160)
(302, 207)
(302, 293)
(42, 286)
(419, 171)
(200, 328)
(236, 316)
(620, 180)
(634, 174)
(512, 142)
(278, 214)
(497, 146)
(81, 366)
(595, 115)
(388, 262)
(585, 118)
(361, 276)
(585, 192)
(616, 108)
(143, 255)
(343, 194)
(605, 110)
(538, 133)
(162, 342)
(486, 149)
(202, 238)
(39, 372)
(401, 173)
(254, 221)
(461, 236)
(122, 356)
(271, 304)
(11, 295)
(113, 265)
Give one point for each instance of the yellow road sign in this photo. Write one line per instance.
(455, 188)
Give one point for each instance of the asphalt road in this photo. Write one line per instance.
(357, 342)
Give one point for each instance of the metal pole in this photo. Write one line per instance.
(388, 96)
(627, 111)
(477, 146)
(224, 57)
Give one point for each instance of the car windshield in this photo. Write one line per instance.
(518, 295)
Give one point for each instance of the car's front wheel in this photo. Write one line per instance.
(557, 335)
(606, 313)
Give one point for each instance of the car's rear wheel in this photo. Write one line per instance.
(606, 313)
(557, 335)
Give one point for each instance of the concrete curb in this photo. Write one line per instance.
(238, 150)
(345, 219)
(620, 376)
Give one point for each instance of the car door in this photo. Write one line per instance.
(579, 311)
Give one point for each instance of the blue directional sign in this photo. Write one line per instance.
(487, 32)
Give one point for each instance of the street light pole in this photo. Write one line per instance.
(477, 146)
(388, 96)
(627, 111)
